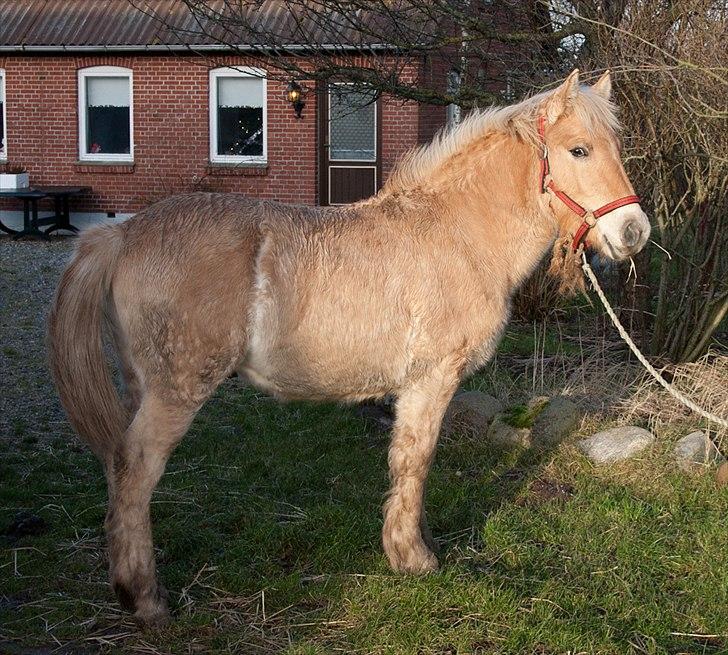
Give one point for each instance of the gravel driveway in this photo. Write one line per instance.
(29, 406)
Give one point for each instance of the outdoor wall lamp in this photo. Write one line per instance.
(294, 93)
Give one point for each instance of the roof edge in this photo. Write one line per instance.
(294, 48)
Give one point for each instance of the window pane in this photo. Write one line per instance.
(352, 116)
(2, 114)
(240, 116)
(107, 115)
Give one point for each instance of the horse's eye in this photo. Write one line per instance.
(579, 152)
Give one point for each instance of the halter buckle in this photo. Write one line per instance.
(545, 152)
(590, 219)
(545, 183)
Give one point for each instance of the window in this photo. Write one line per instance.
(238, 115)
(352, 123)
(105, 114)
(3, 136)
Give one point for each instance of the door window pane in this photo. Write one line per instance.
(352, 126)
(107, 115)
(240, 116)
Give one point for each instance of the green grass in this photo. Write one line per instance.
(521, 340)
(267, 528)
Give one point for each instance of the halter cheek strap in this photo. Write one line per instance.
(589, 218)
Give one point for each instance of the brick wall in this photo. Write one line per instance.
(171, 141)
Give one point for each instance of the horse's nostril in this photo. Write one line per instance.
(631, 234)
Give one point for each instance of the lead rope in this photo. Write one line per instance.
(651, 369)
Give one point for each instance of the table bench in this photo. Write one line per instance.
(59, 220)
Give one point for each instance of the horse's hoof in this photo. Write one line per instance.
(153, 613)
(150, 610)
(417, 561)
(153, 621)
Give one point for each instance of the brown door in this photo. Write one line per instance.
(349, 123)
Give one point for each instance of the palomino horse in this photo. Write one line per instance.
(401, 294)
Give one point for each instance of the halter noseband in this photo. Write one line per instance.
(589, 217)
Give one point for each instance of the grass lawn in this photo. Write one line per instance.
(267, 527)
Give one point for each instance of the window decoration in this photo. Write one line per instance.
(238, 113)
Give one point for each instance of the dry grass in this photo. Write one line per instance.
(610, 386)
(705, 381)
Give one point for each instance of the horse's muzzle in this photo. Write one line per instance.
(625, 231)
(633, 235)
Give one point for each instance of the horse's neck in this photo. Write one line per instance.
(505, 220)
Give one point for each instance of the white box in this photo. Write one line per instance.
(11, 181)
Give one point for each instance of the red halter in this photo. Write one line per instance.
(590, 217)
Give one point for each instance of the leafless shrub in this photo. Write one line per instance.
(671, 63)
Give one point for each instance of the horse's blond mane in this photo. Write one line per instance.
(519, 120)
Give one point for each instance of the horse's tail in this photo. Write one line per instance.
(75, 342)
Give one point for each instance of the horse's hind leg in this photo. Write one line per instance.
(133, 473)
(419, 414)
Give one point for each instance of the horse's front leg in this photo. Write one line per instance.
(419, 413)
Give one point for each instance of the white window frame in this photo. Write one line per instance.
(237, 71)
(4, 149)
(103, 71)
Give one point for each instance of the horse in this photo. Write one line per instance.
(402, 295)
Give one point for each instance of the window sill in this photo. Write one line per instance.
(247, 169)
(104, 167)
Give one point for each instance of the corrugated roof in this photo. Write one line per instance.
(135, 25)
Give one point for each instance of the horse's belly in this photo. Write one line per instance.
(317, 363)
(286, 376)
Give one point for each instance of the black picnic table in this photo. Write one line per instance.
(59, 220)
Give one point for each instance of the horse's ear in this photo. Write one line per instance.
(603, 86)
(560, 99)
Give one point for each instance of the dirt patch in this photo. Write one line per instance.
(544, 490)
(25, 524)
(9, 648)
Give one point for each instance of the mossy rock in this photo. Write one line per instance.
(556, 420)
(471, 412)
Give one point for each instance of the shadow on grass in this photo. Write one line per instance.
(267, 526)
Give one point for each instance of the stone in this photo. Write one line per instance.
(377, 415)
(616, 444)
(696, 450)
(537, 403)
(557, 420)
(500, 433)
(471, 411)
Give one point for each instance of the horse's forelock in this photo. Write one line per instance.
(595, 112)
